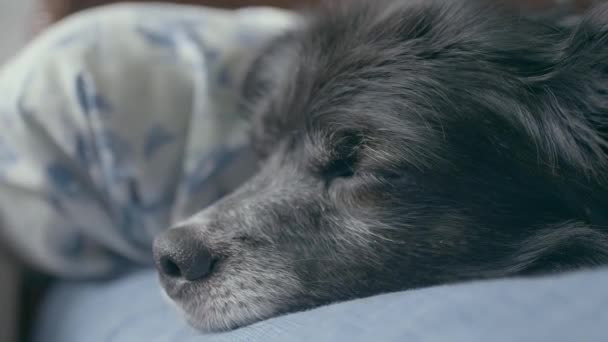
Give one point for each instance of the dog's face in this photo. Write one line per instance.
(395, 152)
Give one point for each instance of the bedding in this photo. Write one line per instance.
(117, 123)
(564, 308)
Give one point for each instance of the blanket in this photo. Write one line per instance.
(119, 122)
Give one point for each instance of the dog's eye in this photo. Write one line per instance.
(342, 168)
(342, 163)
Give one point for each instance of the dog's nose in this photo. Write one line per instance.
(178, 254)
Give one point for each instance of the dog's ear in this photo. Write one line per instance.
(266, 77)
(264, 69)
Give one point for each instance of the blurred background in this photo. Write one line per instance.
(14, 16)
(22, 20)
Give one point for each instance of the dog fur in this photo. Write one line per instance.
(406, 144)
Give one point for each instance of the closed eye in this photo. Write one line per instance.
(340, 169)
(343, 161)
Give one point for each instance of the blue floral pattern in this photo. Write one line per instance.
(156, 137)
(88, 99)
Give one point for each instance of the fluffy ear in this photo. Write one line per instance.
(267, 73)
(265, 69)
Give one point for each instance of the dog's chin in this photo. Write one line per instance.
(207, 319)
(214, 314)
(226, 302)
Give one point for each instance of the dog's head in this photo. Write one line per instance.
(403, 144)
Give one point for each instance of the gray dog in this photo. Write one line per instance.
(404, 144)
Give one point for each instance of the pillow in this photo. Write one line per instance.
(571, 307)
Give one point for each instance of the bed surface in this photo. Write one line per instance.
(572, 307)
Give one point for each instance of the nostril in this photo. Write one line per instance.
(178, 253)
(170, 268)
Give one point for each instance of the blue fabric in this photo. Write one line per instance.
(568, 308)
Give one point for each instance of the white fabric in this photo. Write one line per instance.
(118, 122)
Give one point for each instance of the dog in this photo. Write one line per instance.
(404, 144)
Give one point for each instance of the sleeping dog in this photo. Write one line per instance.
(404, 144)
